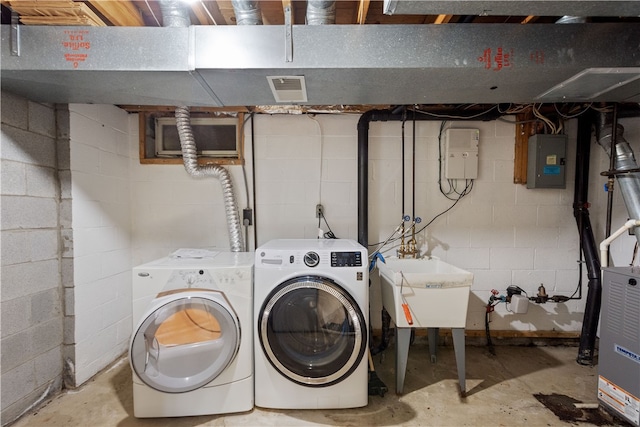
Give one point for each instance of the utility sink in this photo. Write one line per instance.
(425, 293)
(436, 293)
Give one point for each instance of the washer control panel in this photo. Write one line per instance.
(311, 259)
(346, 259)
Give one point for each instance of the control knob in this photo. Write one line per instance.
(311, 259)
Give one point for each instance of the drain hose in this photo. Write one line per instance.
(190, 159)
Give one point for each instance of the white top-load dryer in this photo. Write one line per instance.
(191, 346)
(311, 318)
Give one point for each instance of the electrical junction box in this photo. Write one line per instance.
(546, 162)
(519, 304)
(619, 346)
(461, 153)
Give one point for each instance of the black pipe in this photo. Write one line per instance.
(363, 151)
(587, 240)
(398, 114)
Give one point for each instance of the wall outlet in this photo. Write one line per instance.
(319, 210)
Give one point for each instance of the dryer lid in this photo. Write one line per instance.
(185, 341)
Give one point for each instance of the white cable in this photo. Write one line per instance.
(321, 155)
(208, 13)
(152, 14)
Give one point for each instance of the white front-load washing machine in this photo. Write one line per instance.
(311, 299)
(191, 350)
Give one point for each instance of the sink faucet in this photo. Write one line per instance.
(410, 248)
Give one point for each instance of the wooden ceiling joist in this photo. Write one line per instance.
(55, 12)
(443, 19)
(363, 10)
(119, 13)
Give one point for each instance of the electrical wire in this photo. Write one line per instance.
(244, 169)
(152, 14)
(321, 155)
(328, 234)
(448, 116)
(451, 182)
(208, 13)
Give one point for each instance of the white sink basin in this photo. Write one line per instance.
(436, 293)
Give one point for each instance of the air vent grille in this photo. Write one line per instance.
(592, 83)
(288, 88)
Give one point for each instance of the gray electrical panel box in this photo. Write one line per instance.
(619, 347)
(546, 167)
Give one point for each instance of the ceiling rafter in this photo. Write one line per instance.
(443, 19)
(363, 10)
(122, 13)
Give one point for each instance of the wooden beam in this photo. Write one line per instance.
(226, 10)
(528, 19)
(363, 10)
(55, 12)
(286, 4)
(524, 129)
(202, 13)
(443, 19)
(120, 13)
(499, 334)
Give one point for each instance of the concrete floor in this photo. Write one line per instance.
(500, 392)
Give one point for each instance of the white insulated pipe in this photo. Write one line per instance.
(604, 245)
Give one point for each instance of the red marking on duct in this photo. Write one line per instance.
(537, 57)
(496, 60)
(75, 41)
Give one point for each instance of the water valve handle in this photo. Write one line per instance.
(407, 313)
(418, 220)
(406, 218)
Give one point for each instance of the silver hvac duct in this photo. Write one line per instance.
(629, 182)
(321, 12)
(190, 159)
(572, 20)
(247, 12)
(174, 13)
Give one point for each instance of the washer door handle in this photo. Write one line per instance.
(151, 344)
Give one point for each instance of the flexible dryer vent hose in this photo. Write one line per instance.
(190, 159)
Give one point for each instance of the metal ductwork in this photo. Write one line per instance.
(625, 165)
(321, 12)
(572, 20)
(513, 7)
(247, 12)
(190, 158)
(377, 65)
(174, 13)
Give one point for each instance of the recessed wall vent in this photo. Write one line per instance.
(288, 88)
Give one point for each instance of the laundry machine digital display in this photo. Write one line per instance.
(346, 259)
(311, 299)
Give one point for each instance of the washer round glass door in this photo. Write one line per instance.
(312, 331)
(185, 341)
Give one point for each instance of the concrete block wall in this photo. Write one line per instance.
(98, 305)
(503, 232)
(172, 210)
(31, 299)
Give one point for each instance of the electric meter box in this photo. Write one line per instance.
(546, 164)
(461, 153)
